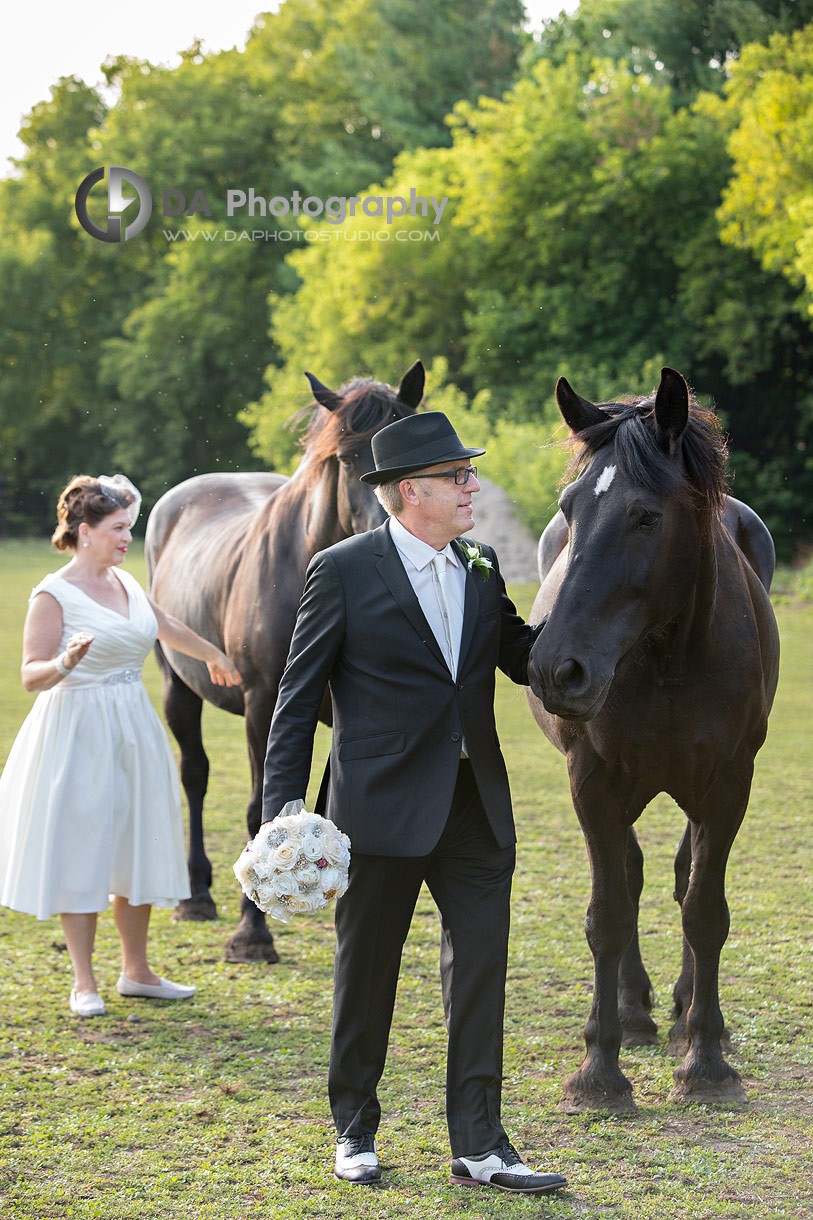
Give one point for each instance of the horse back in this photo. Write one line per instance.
(220, 500)
(551, 545)
(747, 633)
(752, 537)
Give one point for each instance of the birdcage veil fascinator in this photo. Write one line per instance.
(119, 489)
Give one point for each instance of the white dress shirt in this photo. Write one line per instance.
(417, 557)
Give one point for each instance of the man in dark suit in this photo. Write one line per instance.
(406, 626)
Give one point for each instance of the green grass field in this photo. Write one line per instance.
(216, 1108)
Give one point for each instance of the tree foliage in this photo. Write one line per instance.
(142, 354)
(690, 45)
(768, 201)
(630, 189)
(582, 237)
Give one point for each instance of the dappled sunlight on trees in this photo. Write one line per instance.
(631, 188)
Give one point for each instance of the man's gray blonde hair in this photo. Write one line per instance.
(389, 497)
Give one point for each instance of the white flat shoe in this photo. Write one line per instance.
(154, 991)
(87, 1004)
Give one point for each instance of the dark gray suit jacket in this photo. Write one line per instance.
(398, 714)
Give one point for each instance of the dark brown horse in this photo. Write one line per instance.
(227, 554)
(655, 673)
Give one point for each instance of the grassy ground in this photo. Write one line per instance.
(216, 1108)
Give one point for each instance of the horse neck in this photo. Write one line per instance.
(694, 623)
(312, 502)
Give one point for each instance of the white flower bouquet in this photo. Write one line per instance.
(296, 862)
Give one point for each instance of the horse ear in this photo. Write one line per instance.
(324, 396)
(671, 410)
(577, 412)
(410, 389)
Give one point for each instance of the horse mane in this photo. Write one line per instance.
(631, 429)
(366, 406)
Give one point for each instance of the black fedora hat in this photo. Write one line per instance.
(412, 443)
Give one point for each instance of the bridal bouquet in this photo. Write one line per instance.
(297, 862)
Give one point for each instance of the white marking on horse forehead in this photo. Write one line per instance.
(604, 480)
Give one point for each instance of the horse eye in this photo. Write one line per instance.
(648, 523)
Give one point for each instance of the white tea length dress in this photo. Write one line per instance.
(90, 803)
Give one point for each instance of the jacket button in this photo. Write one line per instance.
(460, 686)
(455, 737)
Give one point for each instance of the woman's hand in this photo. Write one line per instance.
(42, 633)
(223, 672)
(76, 648)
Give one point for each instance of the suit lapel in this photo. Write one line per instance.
(391, 570)
(471, 606)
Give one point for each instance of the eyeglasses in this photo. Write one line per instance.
(460, 476)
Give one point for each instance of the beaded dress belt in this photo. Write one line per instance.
(123, 675)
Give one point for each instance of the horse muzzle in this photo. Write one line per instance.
(567, 688)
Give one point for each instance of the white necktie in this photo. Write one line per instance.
(452, 621)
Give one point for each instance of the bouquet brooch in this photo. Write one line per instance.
(297, 862)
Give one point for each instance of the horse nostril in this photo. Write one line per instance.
(570, 675)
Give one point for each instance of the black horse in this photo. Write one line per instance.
(655, 673)
(227, 554)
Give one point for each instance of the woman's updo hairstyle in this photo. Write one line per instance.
(89, 500)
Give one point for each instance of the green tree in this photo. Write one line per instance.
(321, 100)
(301, 107)
(182, 365)
(354, 83)
(768, 202)
(570, 187)
(372, 298)
(55, 304)
(580, 238)
(556, 251)
(688, 45)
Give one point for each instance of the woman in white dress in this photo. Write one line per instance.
(90, 804)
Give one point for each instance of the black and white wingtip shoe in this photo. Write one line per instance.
(503, 1168)
(356, 1160)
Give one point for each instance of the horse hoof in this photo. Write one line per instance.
(639, 1030)
(589, 1091)
(198, 908)
(678, 1046)
(640, 1037)
(239, 949)
(582, 1103)
(709, 1092)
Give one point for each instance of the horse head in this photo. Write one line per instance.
(343, 438)
(650, 476)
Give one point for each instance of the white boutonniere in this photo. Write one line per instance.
(476, 560)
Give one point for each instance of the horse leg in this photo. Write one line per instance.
(682, 991)
(252, 941)
(610, 924)
(182, 709)
(635, 996)
(704, 1075)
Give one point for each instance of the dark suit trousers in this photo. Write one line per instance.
(469, 878)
